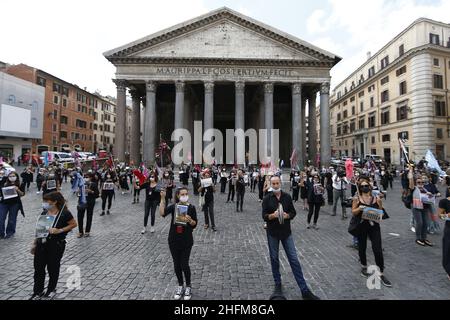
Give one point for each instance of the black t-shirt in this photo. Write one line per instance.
(240, 185)
(208, 193)
(181, 235)
(62, 222)
(151, 193)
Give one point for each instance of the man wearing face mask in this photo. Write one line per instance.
(278, 211)
(295, 186)
(231, 186)
(10, 204)
(50, 184)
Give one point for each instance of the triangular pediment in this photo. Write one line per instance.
(223, 40)
(222, 34)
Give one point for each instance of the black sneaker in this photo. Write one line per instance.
(36, 296)
(49, 295)
(108, 213)
(214, 229)
(277, 293)
(364, 272)
(385, 281)
(308, 295)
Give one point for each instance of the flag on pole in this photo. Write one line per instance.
(433, 164)
(403, 148)
(46, 159)
(294, 159)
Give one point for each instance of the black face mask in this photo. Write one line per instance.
(365, 189)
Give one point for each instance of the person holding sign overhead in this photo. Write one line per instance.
(10, 204)
(48, 248)
(183, 222)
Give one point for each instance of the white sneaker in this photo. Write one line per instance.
(152, 230)
(178, 293)
(38, 192)
(144, 230)
(413, 229)
(187, 293)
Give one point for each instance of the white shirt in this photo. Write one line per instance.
(337, 182)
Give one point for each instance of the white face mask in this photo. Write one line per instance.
(12, 179)
(276, 190)
(184, 198)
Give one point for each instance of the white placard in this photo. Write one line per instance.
(206, 182)
(9, 192)
(108, 186)
(51, 184)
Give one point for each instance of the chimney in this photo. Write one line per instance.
(369, 55)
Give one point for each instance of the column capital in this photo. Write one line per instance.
(297, 88)
(325, 88)
(134, 93)
(179, 86)
(240, 86)
(120, 84)
(150, 86)
(268, 87)
(209, 86)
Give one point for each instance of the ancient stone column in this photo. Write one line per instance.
(325, 144)
(119, 147)
(135, 148)
(312, 128)
(149, 141)
(297, 124)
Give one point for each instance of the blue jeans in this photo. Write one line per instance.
(291, 253)
(10, 211)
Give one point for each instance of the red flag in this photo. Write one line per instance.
(294, 159)
(140, 176)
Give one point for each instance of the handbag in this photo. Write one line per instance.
(354, 228)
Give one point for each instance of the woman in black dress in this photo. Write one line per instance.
(183, 222)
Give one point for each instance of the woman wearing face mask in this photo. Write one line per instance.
(303, 193)
(369, 229)
(444, 212)
(315, 193)
(433, 218)
(108, 184)
(168, 185)
(49, 251)
(152, 199)
(421, 209)
(92, 193)
(180, 238)
(9, 207)
(50, 183)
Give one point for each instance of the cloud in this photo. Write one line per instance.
(316, 22)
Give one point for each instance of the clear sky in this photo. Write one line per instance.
(68, 38)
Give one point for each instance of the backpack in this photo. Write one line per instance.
(407, 199)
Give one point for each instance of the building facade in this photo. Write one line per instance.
(400, 92)
(69, 113)
(227, 70)
(104, 124)
(21, 115)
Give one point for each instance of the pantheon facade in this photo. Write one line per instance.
(230, 72)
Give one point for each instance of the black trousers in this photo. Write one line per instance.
(239, 200)
(47, 255)
(89, 209)
(330, 195)
(314, 208)
(374, 234)
(208, 210)
(353, 190)
(223, 185)
(446, 248)
(150, 209)
(136, 193)
(195, 186)
(231, 193)
(295, 192)
(39, 185)
(105, 196)
(180, 256)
